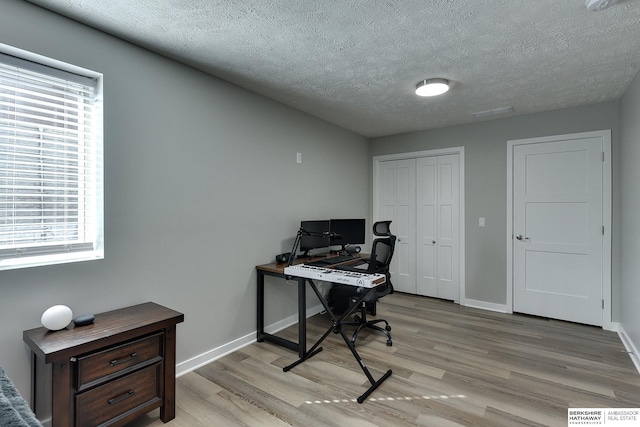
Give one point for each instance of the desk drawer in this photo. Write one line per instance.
(98, 367)
(138, 391)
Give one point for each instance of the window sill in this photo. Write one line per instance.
(42, 260)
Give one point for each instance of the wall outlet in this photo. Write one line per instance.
(480, 222)
(298, 157)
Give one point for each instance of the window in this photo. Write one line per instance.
(50, 161)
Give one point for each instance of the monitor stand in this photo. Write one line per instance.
(342, 251)
(306, 254)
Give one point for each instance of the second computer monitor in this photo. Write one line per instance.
(347, 232)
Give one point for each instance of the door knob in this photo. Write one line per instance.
(433, 241)
(521, 237)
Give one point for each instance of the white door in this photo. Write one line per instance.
(438, 228)
(558, 229)
(397, 203)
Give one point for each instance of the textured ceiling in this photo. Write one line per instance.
(356, 63)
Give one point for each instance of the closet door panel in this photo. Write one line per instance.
(448, 241)
(403, 226)
(427, 223)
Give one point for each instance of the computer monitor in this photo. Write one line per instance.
(315, 235)
(347, 232)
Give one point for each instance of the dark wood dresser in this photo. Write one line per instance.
(110, 372)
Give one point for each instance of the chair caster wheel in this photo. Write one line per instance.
(388, 328)
(389, 343)
(356, 318)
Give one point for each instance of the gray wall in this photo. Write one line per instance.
(201, 185)
(485, 146)
(630, 212)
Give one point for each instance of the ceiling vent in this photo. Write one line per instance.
(494, 112)
(596, 5)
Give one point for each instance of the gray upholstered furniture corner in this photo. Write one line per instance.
(14, 410)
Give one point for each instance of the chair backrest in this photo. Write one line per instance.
(382, 252)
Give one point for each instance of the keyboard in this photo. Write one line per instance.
(336, 276)
(333, 260)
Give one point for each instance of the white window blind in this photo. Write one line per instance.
(50, 176)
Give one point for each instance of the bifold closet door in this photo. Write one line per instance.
(438, 226)
(397, 202)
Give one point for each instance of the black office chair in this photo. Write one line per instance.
(379, 262)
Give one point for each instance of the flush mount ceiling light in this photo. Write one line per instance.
(597, 5)
(432, 87)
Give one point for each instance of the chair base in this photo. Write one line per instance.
(361, 322)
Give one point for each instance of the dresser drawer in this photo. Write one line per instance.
(98, 367)
(138, 391)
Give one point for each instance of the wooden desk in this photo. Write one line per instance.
(276, 269)
(109, 372)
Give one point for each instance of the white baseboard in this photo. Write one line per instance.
(500, 308)
(218, 352)
(630, 347)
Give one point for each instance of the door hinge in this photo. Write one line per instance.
(603, 304)
(603, 230)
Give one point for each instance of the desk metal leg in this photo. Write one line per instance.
(260, 308)
(302, 317)
(336, 327)
(261, 335)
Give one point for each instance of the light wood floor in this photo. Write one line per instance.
(452, 366)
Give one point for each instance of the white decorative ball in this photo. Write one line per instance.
(56, 317)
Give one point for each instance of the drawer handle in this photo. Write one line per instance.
(121, 397)
(115, 362)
